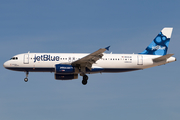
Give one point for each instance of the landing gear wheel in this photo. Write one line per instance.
(25, 79)
(85, 78)
(84, 82)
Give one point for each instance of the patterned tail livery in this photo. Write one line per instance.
(159, 45)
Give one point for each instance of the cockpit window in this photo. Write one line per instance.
(14, 58)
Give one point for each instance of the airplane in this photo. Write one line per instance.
(67, 66)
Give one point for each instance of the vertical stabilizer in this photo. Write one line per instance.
(159, 45)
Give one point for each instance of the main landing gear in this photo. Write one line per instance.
(26, 79)
(85, 78)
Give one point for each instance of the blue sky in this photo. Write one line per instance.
(85, 26)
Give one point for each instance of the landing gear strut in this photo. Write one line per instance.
(26, 79)
(85, 78)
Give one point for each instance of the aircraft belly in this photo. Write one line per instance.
(32, 69)
(114, 70)
(117, 67)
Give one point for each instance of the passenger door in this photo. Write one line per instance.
(26, 58)
(139, 60)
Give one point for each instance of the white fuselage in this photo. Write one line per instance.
(45, 62)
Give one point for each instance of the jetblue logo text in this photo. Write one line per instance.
(158, 48)
(46, 58)
(66, 67)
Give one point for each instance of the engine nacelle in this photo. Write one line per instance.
(65, 69)
(66, 76)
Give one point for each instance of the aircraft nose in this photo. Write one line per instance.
(5, 64)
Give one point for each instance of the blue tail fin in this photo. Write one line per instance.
(159, 45)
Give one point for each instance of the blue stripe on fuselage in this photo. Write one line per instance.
(94, 70)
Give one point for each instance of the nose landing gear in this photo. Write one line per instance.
(26, 79)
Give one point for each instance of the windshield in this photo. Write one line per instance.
(14, 58)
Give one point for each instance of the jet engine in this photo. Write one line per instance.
(65, 72)
(65, 69)
(66, 76)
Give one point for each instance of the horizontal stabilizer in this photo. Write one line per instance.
(162, 58)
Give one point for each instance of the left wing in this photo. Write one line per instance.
(90, 59)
